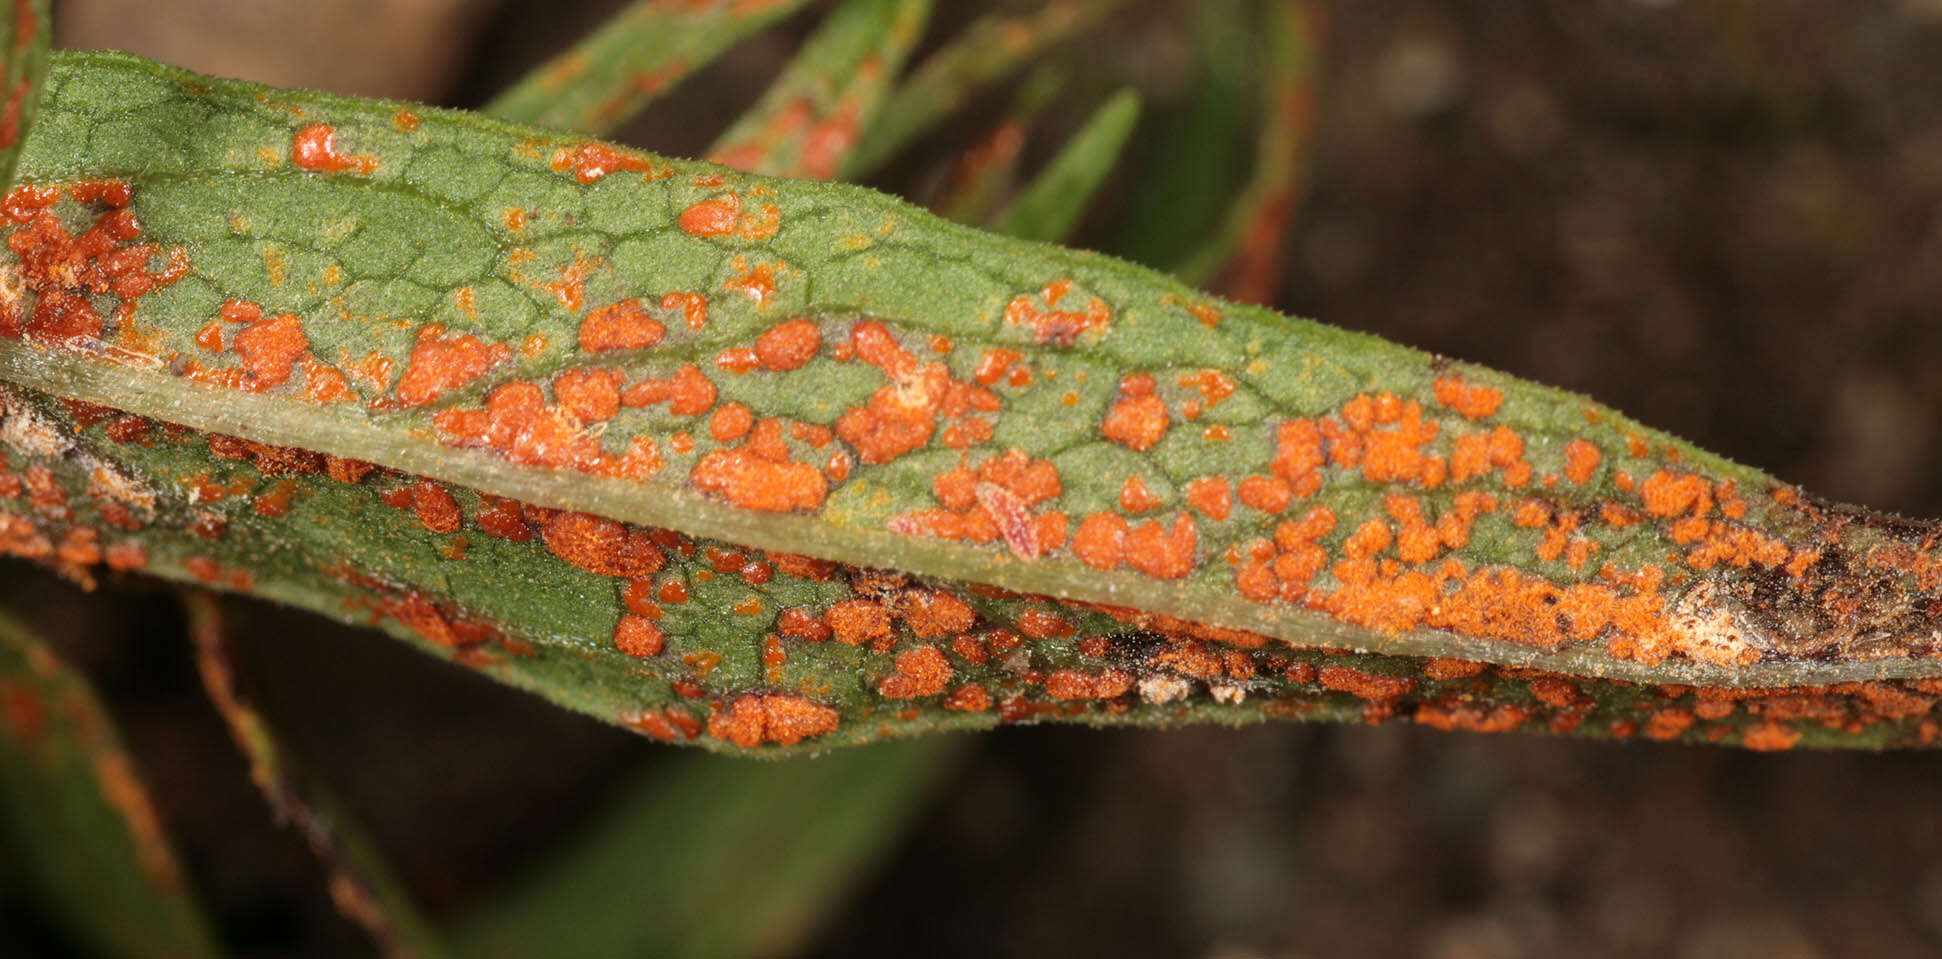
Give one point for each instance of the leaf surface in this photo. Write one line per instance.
(75, 812)
(642, 53)
(820, 107)
(1050, 206)
(795, 464)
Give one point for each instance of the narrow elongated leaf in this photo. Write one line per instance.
(989, 50)
(361, 883)
(75, 812)
(1182, 189)
(24, 37)
(674, 868)
(1243, 260)
(983, 175)
(1050, 206)
(816, 112)
(864, 442)
(630, 61)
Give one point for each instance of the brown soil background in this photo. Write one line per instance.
(1722, 216)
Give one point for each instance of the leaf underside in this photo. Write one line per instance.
(775, 465)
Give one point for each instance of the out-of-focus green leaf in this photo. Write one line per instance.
(75, 811)
(715, 857)
(984, 174)
(892, 475)
(361, 883)
(824, 101)
(24, 40)
(643, 52)
(1243, 260)
(1185, 171)
(987, 51)
(1049, 208)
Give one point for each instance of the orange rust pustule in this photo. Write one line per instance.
(760, 718)
(440, 364)
(902, 417)
(1471, 400)
(1138, 419)
(759, 474)
(315, 148)
(920, 672)
(623, 325)
(1050, 326)
(64, 270)
(992, 501)
(603, 546)
(788, 345)
(590, 162)
(726, 215)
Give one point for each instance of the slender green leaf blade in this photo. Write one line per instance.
(951, 423)
(818, 109)
(1186, 171)
(983, 175)
(74, 810)
(1243, 260)
(642, 53)
(988, 51)
(1049, 208)
(362, 884)
(675, 865)
(24, 40)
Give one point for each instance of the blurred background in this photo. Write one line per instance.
(1721, 216)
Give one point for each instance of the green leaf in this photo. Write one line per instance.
(956, 426)
(74, 812)
(988, 51)
(824, 101)
(676, 864)
(1243, 260)
(983, 174)
(362, 884)
(1185, 175)
(1050, 206)
(24, 38)
(643, 52)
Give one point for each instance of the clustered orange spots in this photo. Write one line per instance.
(724, 214)
(1478, 453)
(920, 672)
(602, 546)
(1580, 461)
(64, 270)
(788, 345)
(1077, 684)
(689, 392)
(623, 325)
(440, 364)
(902, 416)
(1139, 418)
(315, 148)
(637, 636)
(523, 427)
(1211, 496)
(1473, 401)
(760, 474)
(1106, 540)
(592, 161)
(991, 501)
(1213, 386)
(760, 718)
(1051, 326)
(994, 365)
